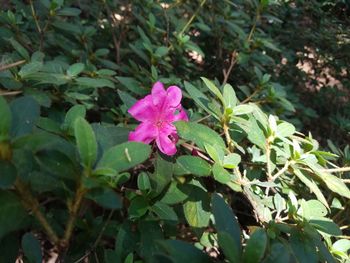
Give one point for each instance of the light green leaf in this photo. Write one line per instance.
(75, 69)
(202, 100)
(198, 133)
(232, 160)
(243, 109)
(211, 86)
(230, 99)
(164, 211)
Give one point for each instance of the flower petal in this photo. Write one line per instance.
(174, 96)
(166, 139)
(166, 145)
(181, 115)
(143, 110)
(158, 93)
(145, 132)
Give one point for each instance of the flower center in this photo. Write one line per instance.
(159, 123)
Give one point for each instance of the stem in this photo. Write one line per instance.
(337, 170)
(268, 160)
(232, 63)
(73, 211)
(15, 64)
(32, 203)
(280, 172)
(35, 17)
(228, 137)
(256, 91)
(192, 17)
(252, 30)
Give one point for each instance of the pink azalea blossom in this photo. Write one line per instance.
(157, 112)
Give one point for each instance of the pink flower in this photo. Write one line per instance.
(157, 112)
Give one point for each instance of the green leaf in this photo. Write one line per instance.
(150, 232)
(285, 129)
(86, 142)
(278, 253)
(243, 109)
(75, 69)
(105, 197)
(143, 182)
(227, 244)
(161, 51)
(201, 99)
(109, 135)
(25, 112)
(197, 208)
(8, 174)
(12, 214)
(194, 165)
(232, 160)
(31, 248)
(175, 194)
(220, 174)
(77, 111)
(256, 134)
(256, 246)
(125, 156)
(226, 222)
(307, 180)
(303, 248)
(198, 133)
(180, 252)
(313, 209)
(138, 207)
(326, 225)
(30, 68)
(5, 120)
(20, 49)
(230, 99)
(342, 245)
(211, 86)
(164, 211)
(94, 82)
(132, 85)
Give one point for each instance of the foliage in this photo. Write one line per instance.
(245, 186)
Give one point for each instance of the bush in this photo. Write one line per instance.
(244, 185)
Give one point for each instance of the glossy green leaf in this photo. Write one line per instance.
(86, 142)
(164, 211)
(31, 248)
(125, 156)
(256, 246)
(225, 221)
(198, 133)
(194, 165)
(230, 99)
(25, 112)
(75, 69)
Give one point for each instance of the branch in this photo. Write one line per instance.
(280, 172)
(73, 211)
(192, 17)
(15, 64)
(32, 204)
(337, 170)
(232, 63)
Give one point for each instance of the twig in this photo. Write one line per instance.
(232, 64)
(199, 153)
(15, 64)
(280, 172)
(251, 95)
(73, 211)
(32, 204)
(10, 93)
(337, 170)
(192, 18)
(94, 246)
(228, 137)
